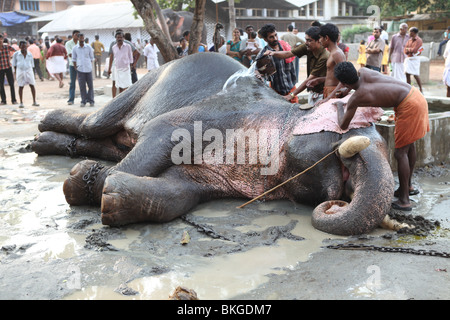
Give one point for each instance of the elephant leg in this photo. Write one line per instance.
(130, 199)
(54, 143)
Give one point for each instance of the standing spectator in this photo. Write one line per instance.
(150, 51)
(283, 81)
(15, 45)
(396, 54)
(293, 40)
(82, 57)
(140, 48)
(362, 54)
(444, 42)
(183, 49)
(412, 50)
(247, 52)
(56, 61)
(385, 60)
(234, 45)
(136, 55)
(6, 70)
(446, 77)
(99, 48)
(121, 56)
(384, 35)
(73, 73)
(23, 64)
(133, 49)
(37, 57)
(345, 48)
(374, 51)
(316, 64)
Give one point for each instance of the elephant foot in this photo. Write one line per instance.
(130, 199)
(84, 183)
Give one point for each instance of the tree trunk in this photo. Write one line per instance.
(146, 9)
(197, 26)
(232, 12)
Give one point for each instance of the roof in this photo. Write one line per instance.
(94, 17)
(12, 18)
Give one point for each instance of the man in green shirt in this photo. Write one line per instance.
(316, 63)
(73, 72)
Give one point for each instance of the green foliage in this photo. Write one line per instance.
(176, 5)
(348, 34)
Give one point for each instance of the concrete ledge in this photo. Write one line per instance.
(431, 149)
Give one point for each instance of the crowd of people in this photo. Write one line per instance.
(52, 58)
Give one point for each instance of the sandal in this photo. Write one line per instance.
(35, 104)
(412, 192)
(398, 207)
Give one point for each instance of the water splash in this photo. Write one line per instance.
(232, 80)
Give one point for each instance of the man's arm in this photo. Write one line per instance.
(300, 88)
(279, 54)
(111, 58)
(344, 118)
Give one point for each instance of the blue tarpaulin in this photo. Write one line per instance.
(12, 18)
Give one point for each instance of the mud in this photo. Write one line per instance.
(267, 250)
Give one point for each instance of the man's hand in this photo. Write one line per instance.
(288, 97)
(342, 92)
(312, 83)
(269, 53)
(339, 104)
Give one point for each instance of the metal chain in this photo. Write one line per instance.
(89, 178)
(71, 147)
(420, 252)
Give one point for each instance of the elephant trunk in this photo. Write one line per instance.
(373, 184)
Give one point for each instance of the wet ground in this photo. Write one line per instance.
(268, 250)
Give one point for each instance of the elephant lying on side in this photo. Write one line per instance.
(173, 134)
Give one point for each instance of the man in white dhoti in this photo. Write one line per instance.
(396, 54)
(413, 49)
(122, 56)
(23, 63)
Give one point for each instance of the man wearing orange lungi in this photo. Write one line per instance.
(411, 123)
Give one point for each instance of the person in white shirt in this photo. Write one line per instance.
(121, 55)
(150, 51)
(82, 57)
(23, 63)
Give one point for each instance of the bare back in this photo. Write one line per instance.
(377, 90)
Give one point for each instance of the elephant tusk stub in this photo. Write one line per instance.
(353, 145)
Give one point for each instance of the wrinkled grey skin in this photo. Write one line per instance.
(136, 130)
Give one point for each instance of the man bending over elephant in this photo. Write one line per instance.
(411, 117)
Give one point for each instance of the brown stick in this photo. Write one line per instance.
(283, 183)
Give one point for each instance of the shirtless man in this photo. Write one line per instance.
(411, 113)
(329, 35)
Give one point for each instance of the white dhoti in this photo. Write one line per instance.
(398, 71)
(412, 65)
(446, 77)
(122, 77)
(25, 77)
(56, 64)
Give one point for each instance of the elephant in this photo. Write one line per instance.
(178, 22)
(203, 128)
